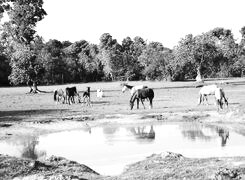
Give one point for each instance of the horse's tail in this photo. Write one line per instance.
(200, 98)
(151, 98)
(152, 92)
(55, 94)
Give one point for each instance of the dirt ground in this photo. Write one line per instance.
(36, 114)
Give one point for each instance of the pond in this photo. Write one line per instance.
(109, 148)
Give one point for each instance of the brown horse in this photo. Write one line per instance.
(70, 93)
(142, 94)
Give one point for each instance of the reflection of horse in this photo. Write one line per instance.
(224, 134)
(220, 96)
(58, 95)
(132, 88)
(141, 133)
(206, 91)
(142, 94)
(70, 93)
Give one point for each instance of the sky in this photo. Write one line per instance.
(165, 21)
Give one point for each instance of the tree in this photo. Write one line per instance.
(153, 59)
(4, 66)
(111, 57)
(52, 58)
(74, 59)
(19, 34)
(226, 50)
(194, 54)
(92, 65)
(132, 49)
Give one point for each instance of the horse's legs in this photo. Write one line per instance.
(69, 100)
(151, 106)
(137, 103)
(219, 104)
(64, 99)
(223, 97)
(72, 99)
(205, 98)
(142, 102)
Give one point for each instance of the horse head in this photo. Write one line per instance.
(124, 88)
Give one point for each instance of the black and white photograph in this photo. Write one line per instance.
(122, 90)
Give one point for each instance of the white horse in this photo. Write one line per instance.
(132, 89)
(219, 97)
(100, 93)
(206, 91)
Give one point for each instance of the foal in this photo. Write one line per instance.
(141, 94)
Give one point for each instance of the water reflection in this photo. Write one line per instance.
(195, 132)
(142, 133)
(200, 132)
(107, 149)
(29, 149)
(224, 134)
(26, 147)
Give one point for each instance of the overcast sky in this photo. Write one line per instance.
(165, 21)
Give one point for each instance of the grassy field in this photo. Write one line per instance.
(15, 104)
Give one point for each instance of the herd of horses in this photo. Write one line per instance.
(139, 93)
(68, 96)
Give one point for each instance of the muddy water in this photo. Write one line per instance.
(108, 149)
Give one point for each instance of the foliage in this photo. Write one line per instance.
(19, 36)
(24, 56)
(153, 59)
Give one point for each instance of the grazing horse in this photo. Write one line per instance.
(141, 94)
(219, 97)
(70, 93)
(132, 89)
(206, 91)
(58, 95)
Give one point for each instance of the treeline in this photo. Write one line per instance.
(25, 57)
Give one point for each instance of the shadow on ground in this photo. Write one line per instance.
(18, 114)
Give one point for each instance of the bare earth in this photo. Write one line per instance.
(24, 114)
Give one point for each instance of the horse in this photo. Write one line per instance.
(70, 93)
(86, 98)
(141, 94)
(100, 93)
(132, 89)
(219, 97)
(206, 91)
(58, 95)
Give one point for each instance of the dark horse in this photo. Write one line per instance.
(142, 94)
(70, 93)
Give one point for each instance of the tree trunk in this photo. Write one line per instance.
(199, 75)
(34, 89)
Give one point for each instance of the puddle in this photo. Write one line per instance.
(108, 149)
